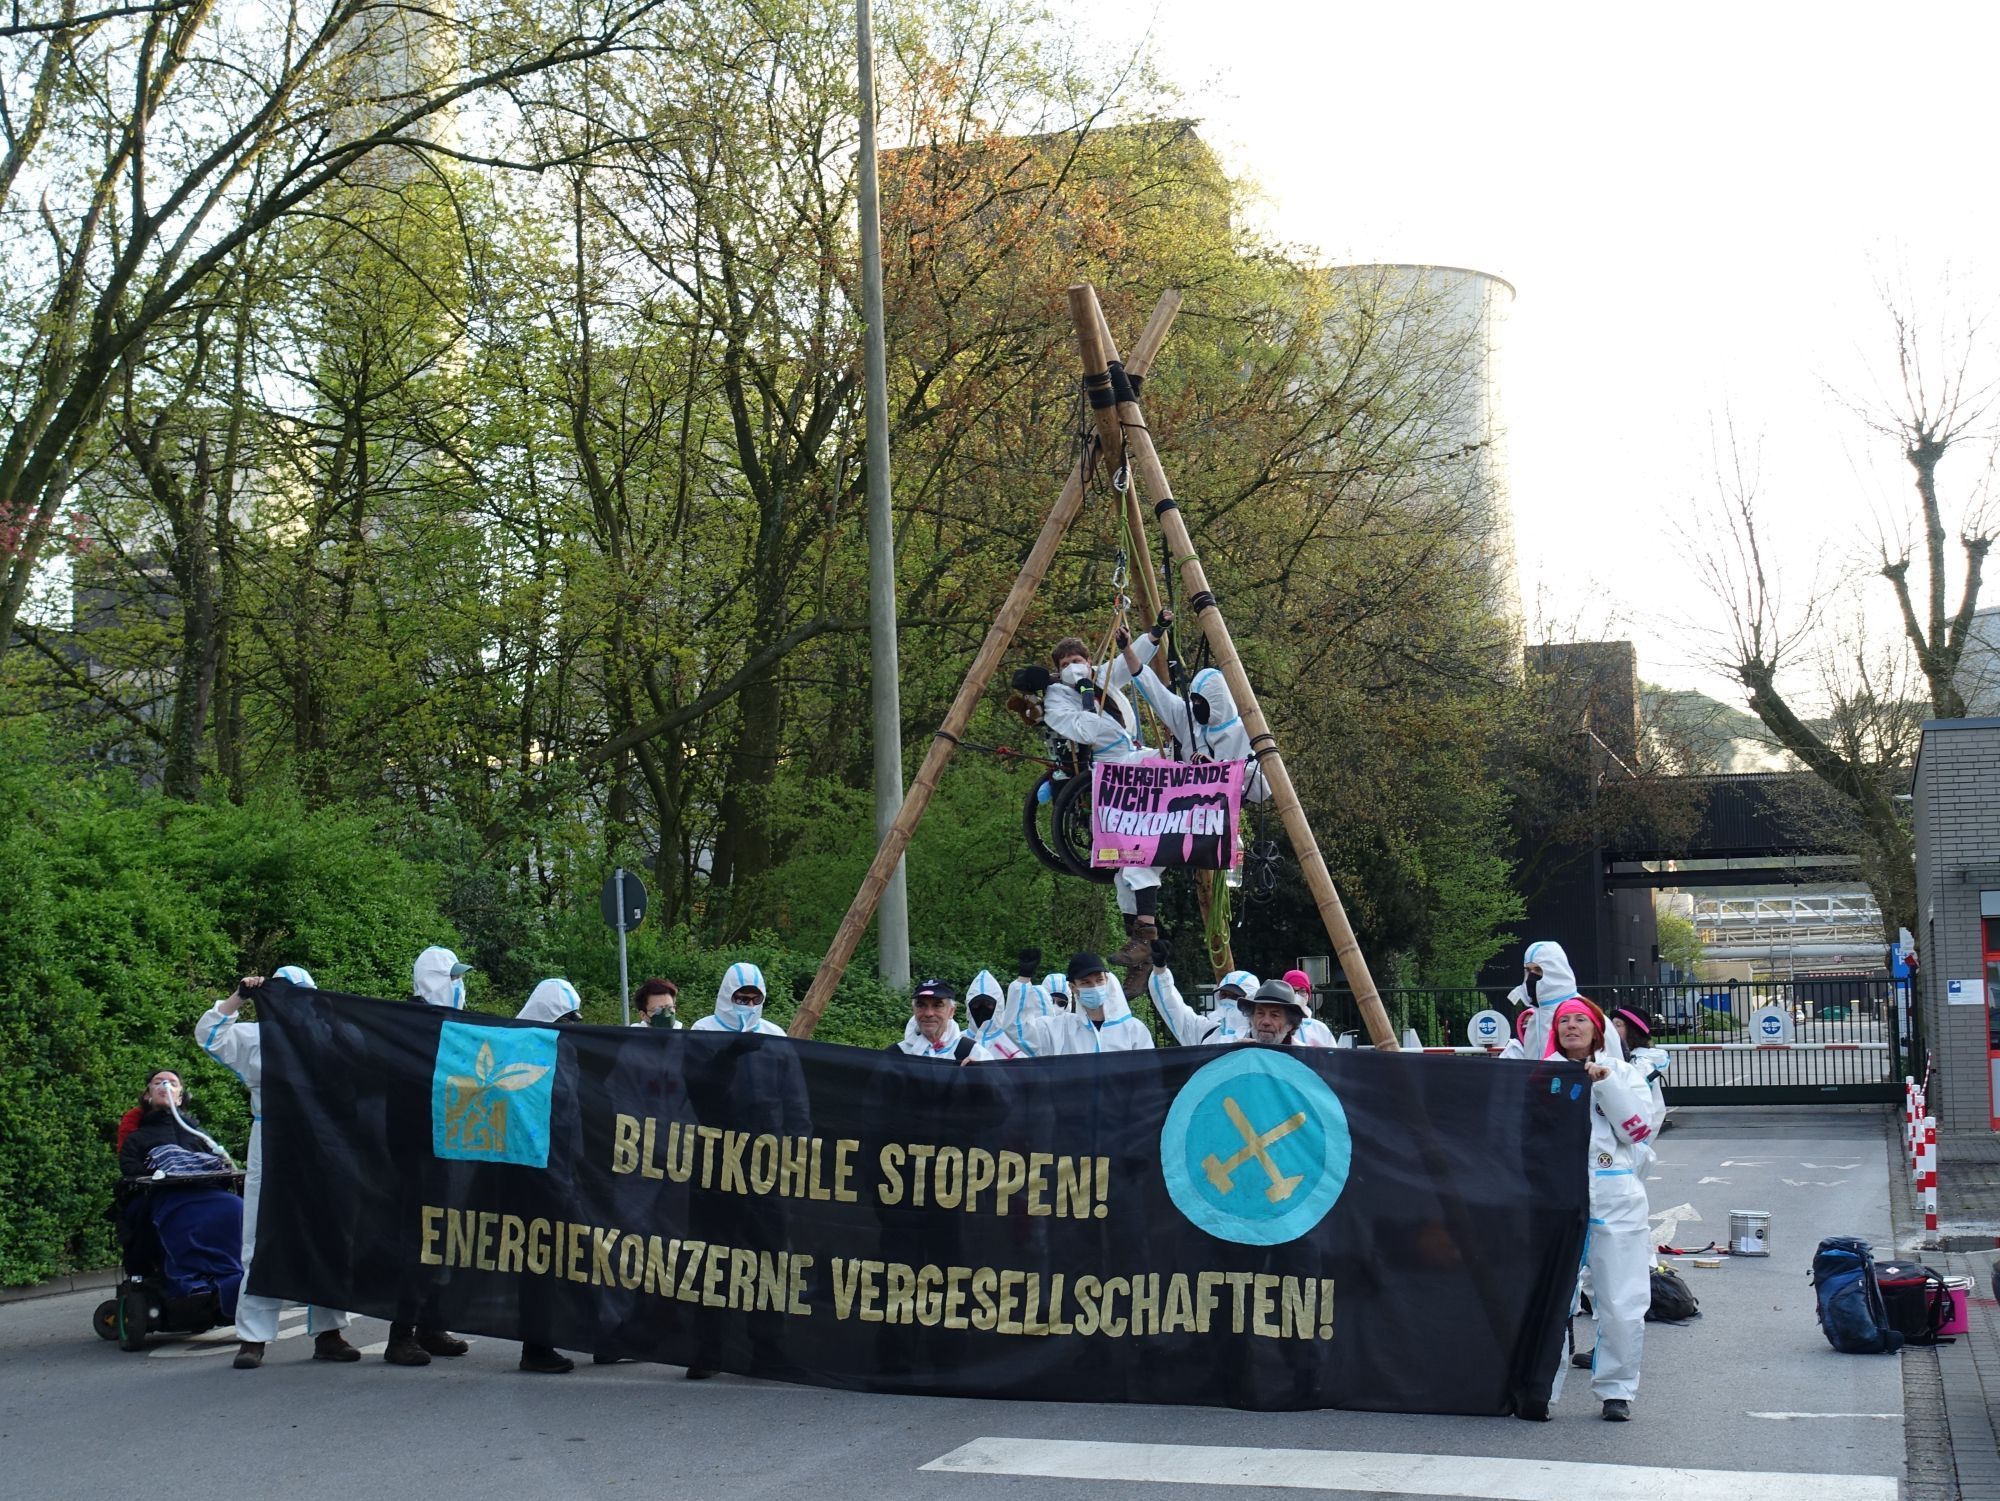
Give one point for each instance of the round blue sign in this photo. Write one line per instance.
(1256, 1148)
(1772, 1026)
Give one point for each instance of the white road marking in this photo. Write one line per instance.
(224, 1341)
(1831, 1167)
(1704, 1180)
(1811, 1182)
(1792, 1417)
(1467, 1475)
(1753, 1162)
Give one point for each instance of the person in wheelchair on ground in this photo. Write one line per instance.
(179, 1222)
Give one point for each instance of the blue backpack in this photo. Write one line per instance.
(1851, 1312)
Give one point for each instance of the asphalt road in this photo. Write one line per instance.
(1751, 1387)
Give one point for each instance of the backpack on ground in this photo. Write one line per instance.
(1851, 1312)
(1673, 1301)
(1915, 1300)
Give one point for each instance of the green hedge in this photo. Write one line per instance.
(125, 915)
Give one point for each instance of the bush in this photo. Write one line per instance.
(126, 916)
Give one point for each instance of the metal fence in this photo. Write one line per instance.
(1848, 1035)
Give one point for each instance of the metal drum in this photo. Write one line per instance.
(1749, 1232)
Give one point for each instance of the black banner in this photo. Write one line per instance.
(1248, 1226)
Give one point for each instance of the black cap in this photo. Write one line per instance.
(940, 989)
(1085, 963)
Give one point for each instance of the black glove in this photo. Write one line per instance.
(1032, 679)
(1160, 625)
(1123, 638)
(1160, 953)
(1027, 963)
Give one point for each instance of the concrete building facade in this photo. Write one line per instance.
(1956, 793)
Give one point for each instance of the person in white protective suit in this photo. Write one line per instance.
(739, 1004)
(933, 1030)
(1087, 706)
(553, 1003)
(1618, 1246)
(998, 1017)
(1100, 1021)
(1315, 1033)
(1206, 724)
(1055, 988)
(437, 978)
(1546, 982)
(238, 1047)
(1227, 1023)
(1636, 1033)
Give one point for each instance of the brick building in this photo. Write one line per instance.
(1956, 788)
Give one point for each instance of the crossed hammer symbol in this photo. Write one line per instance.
(1256, 1146)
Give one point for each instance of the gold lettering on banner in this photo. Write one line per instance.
(427, 1253)
(513, 1237)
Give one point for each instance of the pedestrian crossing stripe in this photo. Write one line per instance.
(1458, 1475)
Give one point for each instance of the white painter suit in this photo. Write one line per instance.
(1111, 735)
(1558, 984)
(1224, 1025)
(235, 1044)
(1618, 1247)
(1221, 737)
(1119, 1030)
(730, 1017)
(1015, 1029)
(1055, 983)
(549, 1002)
(1653, 1064)
(432, 980)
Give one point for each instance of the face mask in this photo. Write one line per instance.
(1075, 673)
(458, 995)
(981, 1011)
(1200, 707)
(1094, 997)
(662, 1018)
(1528, 987)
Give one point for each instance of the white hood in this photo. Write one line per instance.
(1231, 1023)
(1054, 984)
(549, 1001)
(1118, 1031)
(432, 979)
(296, 973)
(1557, 984)
(730, 1016)
(983, 983)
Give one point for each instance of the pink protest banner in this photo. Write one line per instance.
(1166, 813)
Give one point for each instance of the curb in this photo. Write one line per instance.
(78, 1282)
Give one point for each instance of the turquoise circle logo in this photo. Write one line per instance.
(1256, 1148)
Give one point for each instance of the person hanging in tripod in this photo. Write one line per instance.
(1087, 706)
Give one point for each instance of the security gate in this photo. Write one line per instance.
(1828, 1040)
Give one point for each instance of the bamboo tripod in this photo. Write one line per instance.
(1121, 432)
(999, 637)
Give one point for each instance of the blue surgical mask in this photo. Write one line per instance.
(1094, 997)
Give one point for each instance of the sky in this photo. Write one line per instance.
(1696, 204)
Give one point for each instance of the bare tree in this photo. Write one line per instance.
(1845, 707)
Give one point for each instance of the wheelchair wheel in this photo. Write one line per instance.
(1038, 823)
(134, 1314)
(1072, 819)
(105, 1320)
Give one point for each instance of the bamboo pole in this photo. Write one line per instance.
(1119, 420)
(1220, 957)
(999, 637)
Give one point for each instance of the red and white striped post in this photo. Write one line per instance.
(1930, 1173)
(1909, 1116)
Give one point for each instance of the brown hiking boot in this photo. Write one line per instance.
(1138, 950)
(403, 1349)
(330, 1345)
(441, 1342)
(249, 1355)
